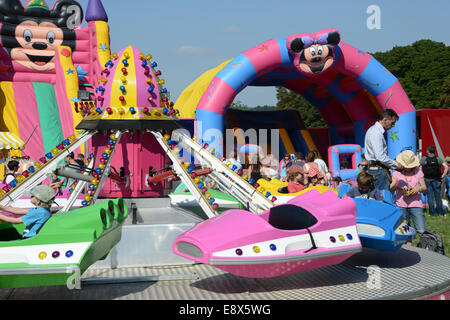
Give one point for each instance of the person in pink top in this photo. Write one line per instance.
(407, 185)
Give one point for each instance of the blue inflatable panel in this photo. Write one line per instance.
(375, 78)
(387, 196)
(286, 58)
(234, 76)
(448, 184)
(344, 188)
(381, 225)
(403, 135)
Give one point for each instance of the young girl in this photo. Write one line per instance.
(337, 182)
(42, 197)
(310, 163)
(315, 178)
(285, 164)
(408, 184)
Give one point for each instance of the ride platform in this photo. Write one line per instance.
(409, 273)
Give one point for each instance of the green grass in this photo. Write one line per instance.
(440, 225)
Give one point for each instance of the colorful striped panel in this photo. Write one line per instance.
(103, 47)
(28, 119)
(286, 141)
(52, 134)
(8, 109)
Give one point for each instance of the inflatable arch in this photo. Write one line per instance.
(349, 87)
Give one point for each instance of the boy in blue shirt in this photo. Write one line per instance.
(365, 188)
(42, 197)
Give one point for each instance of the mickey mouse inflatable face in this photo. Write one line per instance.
(37, 44)
(313, 53)
(31, 34)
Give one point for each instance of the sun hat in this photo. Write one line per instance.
(408, 159)
(43, 193)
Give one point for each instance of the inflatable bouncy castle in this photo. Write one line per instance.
(59, 79)
(43, 59)
(348, 87)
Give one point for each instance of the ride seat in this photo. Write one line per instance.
(344, 189)
(387, 196)
(283, 190)
(291, 217)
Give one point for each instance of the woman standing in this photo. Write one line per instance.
(408, 184)
(310, 163)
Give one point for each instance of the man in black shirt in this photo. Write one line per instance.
(431, 165)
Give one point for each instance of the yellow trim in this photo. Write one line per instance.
(191, 96)
(273, 185)
(71, 85)
(2, 171)
(308, 139)
(10, 141)
(8, 110)
(286, 141)
(121, 109)
(102, 30)
(130, 86)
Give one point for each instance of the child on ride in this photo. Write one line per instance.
(42, 197)
(296, 180)
(365, 188)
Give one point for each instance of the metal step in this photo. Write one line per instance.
(148, 233)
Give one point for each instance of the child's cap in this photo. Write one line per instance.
(43, 193)
(294, 169)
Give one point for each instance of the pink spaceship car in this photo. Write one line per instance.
(311, 231)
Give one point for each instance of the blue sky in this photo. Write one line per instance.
(189, 37)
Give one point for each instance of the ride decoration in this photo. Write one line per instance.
(37, 166)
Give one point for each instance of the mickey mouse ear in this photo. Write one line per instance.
(297, 45)
(334, 38)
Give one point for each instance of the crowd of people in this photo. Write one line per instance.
(406, 176)
(299, 172)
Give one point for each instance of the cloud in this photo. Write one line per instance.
(191, 50)
(231, 29)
